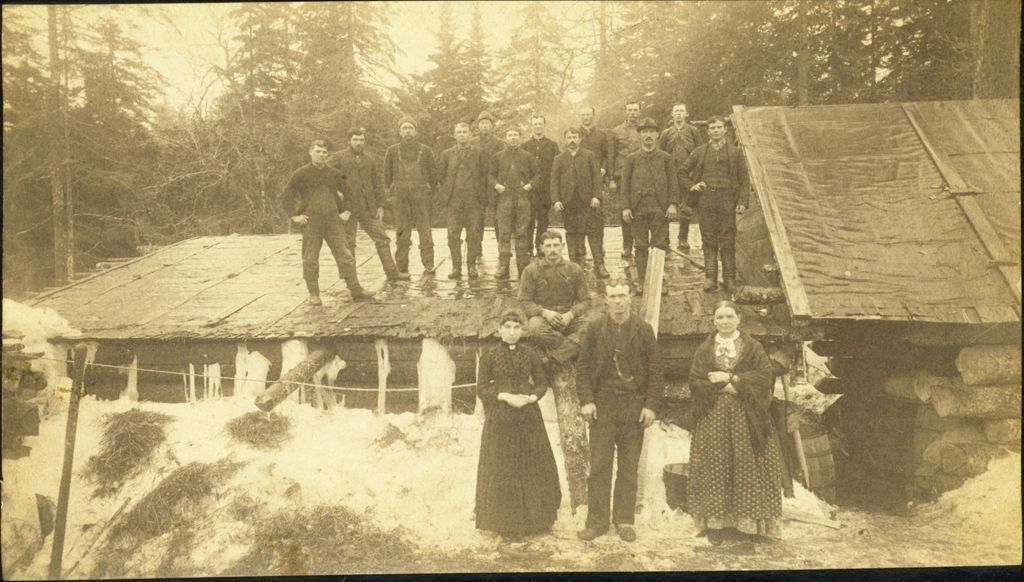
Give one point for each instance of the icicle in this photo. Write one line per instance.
(436, 373)
(191, 382)
(241, 387)
(326, 376)
(293, 351)
(478, 409)
(131, 390)
(213, 376)
(257, 367)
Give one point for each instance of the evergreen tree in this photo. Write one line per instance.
(446, 89)
(537, 67)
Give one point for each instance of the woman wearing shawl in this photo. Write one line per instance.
(735, 481)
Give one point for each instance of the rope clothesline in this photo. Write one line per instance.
(292, 382)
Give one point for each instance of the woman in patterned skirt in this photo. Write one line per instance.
(735, 481)
(517, 487)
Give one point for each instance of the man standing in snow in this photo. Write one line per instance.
(315, 200)
(619, 382)
(366, 199)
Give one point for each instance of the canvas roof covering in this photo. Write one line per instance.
(892, 211)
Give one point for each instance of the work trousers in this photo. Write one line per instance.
(314, 233)
(716, 210)
(538, 223)
(584, 224)
(650, 229)
(627, 228)
(413, 211)
(513, 215)
(373, 228)
(686, 218)
(562, 345)
(465, 214)
(616, 429)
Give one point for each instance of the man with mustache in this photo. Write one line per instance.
(554, 295)
(625, 141)
(679, 140)
(715, 176)
(650, 189)
(466, 173)
(409, 177)
(366, 198)
(576, 192)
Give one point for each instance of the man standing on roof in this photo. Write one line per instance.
(517, 179)
(576, 192)
(679, 140)
(410, 177)
(491, 145)
(545, 151)
(315, 200)
(554, 295)
(650, 189)
(595, 140)
(715, 178)
(625, 141)
(366, 199)
(466, 173)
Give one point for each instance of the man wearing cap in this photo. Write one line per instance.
(409, 177)
(315, 200)
(650, 190)
(545, 150)
(517, 178)
(625, 141)
(366, 199)
(679, 140)
(465, 172)
(715, 178)
(576, 192)
(489, 143)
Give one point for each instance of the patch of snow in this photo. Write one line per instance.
(38, 326)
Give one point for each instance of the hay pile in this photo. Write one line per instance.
(326, 539)
(260, 430)
(129, 440)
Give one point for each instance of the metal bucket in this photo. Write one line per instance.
(675, 477)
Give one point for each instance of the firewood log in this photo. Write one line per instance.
(990, 365)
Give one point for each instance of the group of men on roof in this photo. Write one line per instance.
(659, 175)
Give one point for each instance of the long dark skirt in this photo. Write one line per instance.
(517, 488)
(731, 485)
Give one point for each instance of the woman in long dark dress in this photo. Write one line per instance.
(735, 480)
(517, 487)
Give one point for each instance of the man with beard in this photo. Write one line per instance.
(466, 173)
(409, 176)
(491, 145)
(544, 150)
(366, 199)
(715, 176)
(650, 189)
(619, 382)
(625, 141)
(554, 295)
(576, 192)
(679, 140)
(315, 200)
(517, 179)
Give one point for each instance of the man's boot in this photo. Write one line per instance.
(314, 292)
(641, 268)
(356, 290)
(600, 272)
(710, 268)
(391, 270)
(503, 261)
(684, 235)
(427, 258)
(728, 269)
(456, 265)
(521, 264)
(471, 271)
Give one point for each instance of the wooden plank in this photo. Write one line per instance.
(796, 295)
(383, 369)
(1008, 267)
(650, 306)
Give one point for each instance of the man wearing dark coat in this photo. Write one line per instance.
(410, 178)
(620, 385)
(717, 185)
(491, 145)
(366, 198)
(625, 140)
(576, 192)
(466, 173)
(315, 200)
(517, 178)
(544, 150)
(680, 139)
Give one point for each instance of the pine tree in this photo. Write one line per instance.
(537, 67)
(446, 89)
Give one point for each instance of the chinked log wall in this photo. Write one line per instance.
(952, 410)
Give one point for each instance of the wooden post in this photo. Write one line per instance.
(383, 370)
(572, 433)
(650, 311)
(798, 440)
(304, 371)
(64, 493)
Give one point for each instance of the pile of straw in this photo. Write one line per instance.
(260, 430)
(129, 440)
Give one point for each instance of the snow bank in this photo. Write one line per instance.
(38, 326)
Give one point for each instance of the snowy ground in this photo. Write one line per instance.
(419, 480)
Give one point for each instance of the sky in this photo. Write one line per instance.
(183, 41)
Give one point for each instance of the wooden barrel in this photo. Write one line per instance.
(675, 477)
(821, 468)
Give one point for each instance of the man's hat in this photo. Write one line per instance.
(645, 123)
(408, 120)
(486, 114)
